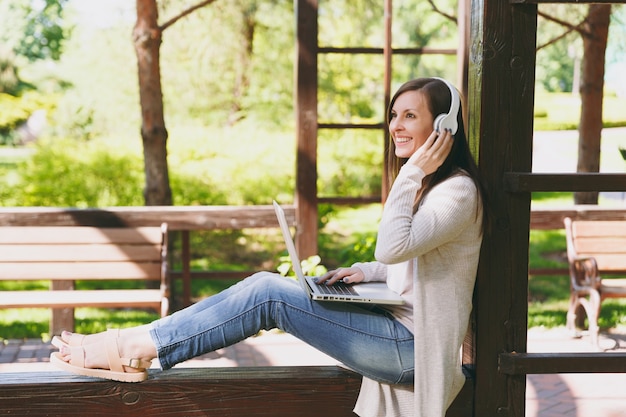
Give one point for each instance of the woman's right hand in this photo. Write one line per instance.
(433, 152)
(350, 275)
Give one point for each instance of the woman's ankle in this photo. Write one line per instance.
(137, 345)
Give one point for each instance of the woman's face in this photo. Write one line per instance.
(410, 123)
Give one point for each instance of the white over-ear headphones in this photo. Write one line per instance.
(448, 120)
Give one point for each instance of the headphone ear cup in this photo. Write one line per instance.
(438, 120)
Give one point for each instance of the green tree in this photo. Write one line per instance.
(558, 47)
(43, 32)
(593, 29)
(147, 36)
(29, 31)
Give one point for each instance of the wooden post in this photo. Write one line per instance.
(462, 54)
(186, 268)
(61, 318)
(501, 96)
(388, 57)
(306, 127)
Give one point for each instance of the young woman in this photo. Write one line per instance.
(427, 251)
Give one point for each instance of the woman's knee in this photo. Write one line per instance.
(262, 278)
(269, 282)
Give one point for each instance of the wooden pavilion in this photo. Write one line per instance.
(496, 63)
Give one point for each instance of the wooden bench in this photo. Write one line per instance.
(303, 391)
(596, 249)
(65, 254)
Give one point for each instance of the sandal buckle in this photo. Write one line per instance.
(134, 363)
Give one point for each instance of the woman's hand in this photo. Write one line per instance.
(433, 152)
(350, 275)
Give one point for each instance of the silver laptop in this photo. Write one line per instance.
(369, 292)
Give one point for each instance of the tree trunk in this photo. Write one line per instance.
(242, 81)
(596, 29)
(147, 40)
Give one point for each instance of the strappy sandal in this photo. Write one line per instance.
(116, 363)
(76, 339)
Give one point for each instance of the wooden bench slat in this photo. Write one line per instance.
(80, 270)
(608, 262)
(81, 298)
(74, 252)
(16, 235)
(606, 244)
(599, 228)
(614, 287)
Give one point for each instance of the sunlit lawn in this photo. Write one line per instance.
(561, 111)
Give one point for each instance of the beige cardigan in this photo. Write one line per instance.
(431, 258)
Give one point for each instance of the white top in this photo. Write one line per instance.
(430, 257)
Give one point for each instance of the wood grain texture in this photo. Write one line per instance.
(302, 391)
(275, 391)
(176, 217)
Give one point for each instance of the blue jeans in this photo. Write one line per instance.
(366, 339)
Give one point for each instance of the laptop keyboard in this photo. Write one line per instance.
(337, 289)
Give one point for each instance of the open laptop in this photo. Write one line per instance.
(367, 292)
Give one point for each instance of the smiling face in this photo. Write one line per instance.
(411, 122)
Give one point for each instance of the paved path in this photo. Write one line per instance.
(557, 152)
(568, 395)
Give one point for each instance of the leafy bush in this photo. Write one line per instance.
(15, 111)
(63, 173)
(12, 113)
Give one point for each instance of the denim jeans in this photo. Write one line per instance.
(366, 339)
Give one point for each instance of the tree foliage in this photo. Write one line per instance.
(33, 29)
(559, 46)
(231, 63)
(591, 24)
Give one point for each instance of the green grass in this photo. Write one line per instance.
(561, 111)
(32, 323)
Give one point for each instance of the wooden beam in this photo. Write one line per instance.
(501, 96)
(561, 363)
(177, 217)
(236, 217)
(347, 201)
(379, 51)
(372, 126)
(519, 182)
(567, 1)
(262, 391)
(276, 391)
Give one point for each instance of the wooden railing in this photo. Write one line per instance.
(186, 219)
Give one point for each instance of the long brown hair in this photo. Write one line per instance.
(438, 99)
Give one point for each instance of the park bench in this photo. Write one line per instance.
(303, 391)
(596, 252)
(63, 255)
